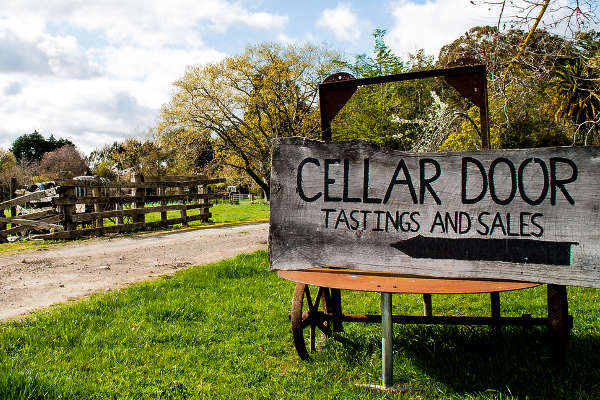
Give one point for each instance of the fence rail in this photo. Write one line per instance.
(81, 208)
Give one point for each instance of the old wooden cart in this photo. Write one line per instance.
(317, 305)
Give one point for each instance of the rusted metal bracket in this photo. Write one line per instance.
(470, 81)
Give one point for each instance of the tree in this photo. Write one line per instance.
(576, 88)
(130, 156)
(245, 101)
(8, 163)
(31, 147)
(187, 151)
(573, 19)
(66, 158)
(11, 168)
(517, 90)
(389, 114)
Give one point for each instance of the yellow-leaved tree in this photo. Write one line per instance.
(242, 102)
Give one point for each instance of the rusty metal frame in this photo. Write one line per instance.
(470, 81)
(334, 93)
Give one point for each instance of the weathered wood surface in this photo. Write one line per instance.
(524, 215)
(21, 228)
(128, 198)
(82, 217)
(33, 223)
(37, 213)
(138, 226)
(141, 185)
(17, 201)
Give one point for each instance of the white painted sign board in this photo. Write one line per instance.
(527, 215)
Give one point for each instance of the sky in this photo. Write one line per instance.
(98, 71)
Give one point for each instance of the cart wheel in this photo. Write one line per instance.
(307, 315)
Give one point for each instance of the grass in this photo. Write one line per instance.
(221, 332)
(245, 211)
(222, 214)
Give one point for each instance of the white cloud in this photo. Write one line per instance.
(432, 24)
(114, 84)
(263, 20)
(13, 88)
(342, 21)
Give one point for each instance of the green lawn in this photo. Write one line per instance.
(222, 332)
(245, 211)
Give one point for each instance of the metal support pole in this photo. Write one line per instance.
(427, 308)
(559, 323)
(495, 308)
(387, 360)
(336, 304)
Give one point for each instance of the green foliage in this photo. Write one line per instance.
(389, 114)
(104, 169)
(130, 156)
(520, 91)
(8, 164)
(244, 101)
(31, 147)
(188, 152)
(576, 95)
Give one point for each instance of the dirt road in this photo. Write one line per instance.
(40, 278)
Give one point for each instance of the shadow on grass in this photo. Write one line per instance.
(469, 361)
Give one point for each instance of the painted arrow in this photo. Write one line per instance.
(524, 251)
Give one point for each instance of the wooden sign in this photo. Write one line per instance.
(527, 215)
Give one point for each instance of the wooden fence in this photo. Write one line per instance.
(42, 218)
(95, 207)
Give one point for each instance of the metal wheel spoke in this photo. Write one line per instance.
(318, 298)
(309, 315)
(309, 302)
(307, 321)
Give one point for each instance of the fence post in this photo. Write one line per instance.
(180, 190)
(163, 203)
(4, 225)
(11, 195)
(202, 190)
(139, 194)
(96, 193)
(119, 203)
(67, 210)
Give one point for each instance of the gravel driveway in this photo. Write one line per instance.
(37, 279)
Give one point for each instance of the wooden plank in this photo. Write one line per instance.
(525, 215)
(140, 226)
(128, 199)
(82, 217)
(17, 201)
(71, 200)
(140, 185)
(184, 180)
(91, 232)
(39, 213)
(199, 217)
(173, 178)
(27, 222)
